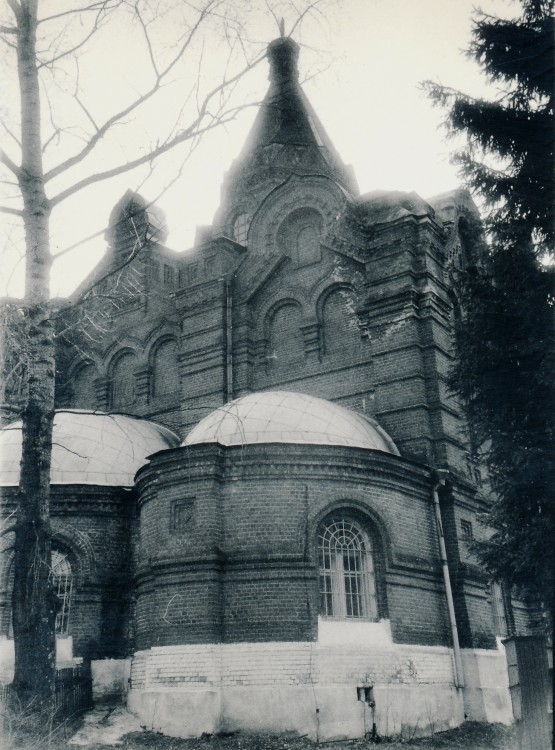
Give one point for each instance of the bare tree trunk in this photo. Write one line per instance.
(33, 599)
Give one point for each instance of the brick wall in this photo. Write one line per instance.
(91, 525)
(244, 566)
(287, 664)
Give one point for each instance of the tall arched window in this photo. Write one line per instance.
(123, 381)
(165, 373)
(61, 578)
(347, 578)
(285, 339)
(84, 394)
(299, 235)
(340, 324)
(62, 582)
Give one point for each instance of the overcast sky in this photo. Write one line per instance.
(371, 56)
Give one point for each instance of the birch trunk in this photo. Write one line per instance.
(33, 599)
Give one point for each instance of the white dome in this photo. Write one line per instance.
(90, 448)
(284, 417)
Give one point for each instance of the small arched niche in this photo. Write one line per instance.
(300, 234)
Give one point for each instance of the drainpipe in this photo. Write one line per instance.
(439, 477)
(228, 342)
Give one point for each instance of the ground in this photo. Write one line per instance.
(104, 730)
(472, 737)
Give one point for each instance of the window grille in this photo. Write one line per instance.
(62, 582)
(241, 228)
(347, 581)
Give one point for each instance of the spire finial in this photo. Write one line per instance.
(283, 54)
(282, 28)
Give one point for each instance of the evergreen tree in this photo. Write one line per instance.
(505, 334)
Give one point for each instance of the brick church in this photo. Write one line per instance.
(263, 491)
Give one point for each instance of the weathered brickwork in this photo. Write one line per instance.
(91, 526)
(288, 663)
(208, 569)
(251, 539)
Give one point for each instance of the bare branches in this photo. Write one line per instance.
(92, 8)
(102, 12)
(194, 129)
(11, 165)
(160, 77)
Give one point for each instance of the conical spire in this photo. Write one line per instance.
(287, 137)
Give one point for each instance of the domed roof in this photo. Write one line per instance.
(285, 417)
(90, 448)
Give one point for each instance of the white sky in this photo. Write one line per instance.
(371, 54)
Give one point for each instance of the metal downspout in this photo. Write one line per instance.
(228, 342)
(439, 480)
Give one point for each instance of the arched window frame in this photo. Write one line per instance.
(85, 366)
(61, 576)
(240, 227)
(272, 334)
(352, 339)
(300, 234)
(156, 392)
(348, 562)
(62, 580)
(115, 402)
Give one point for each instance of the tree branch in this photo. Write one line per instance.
(12, 166)
(93, 7)
(13, 211)
(190, 132)
(73, 49)
(138, 102)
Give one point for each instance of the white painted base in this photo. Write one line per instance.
(306, 688)
(323, 713)
(486, 692)
(64, 656)
(110, 678)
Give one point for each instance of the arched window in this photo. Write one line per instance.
(84, 395)
(340, 324)
(61, 578)
(165, 373)
(347, 577)
(285, 339)
(241, 228)
(299, 235)
(62, 583)
(123, 381)
(503, 624)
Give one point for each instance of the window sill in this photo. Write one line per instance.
(353, 632)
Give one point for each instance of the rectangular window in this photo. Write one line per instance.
(192, 272)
